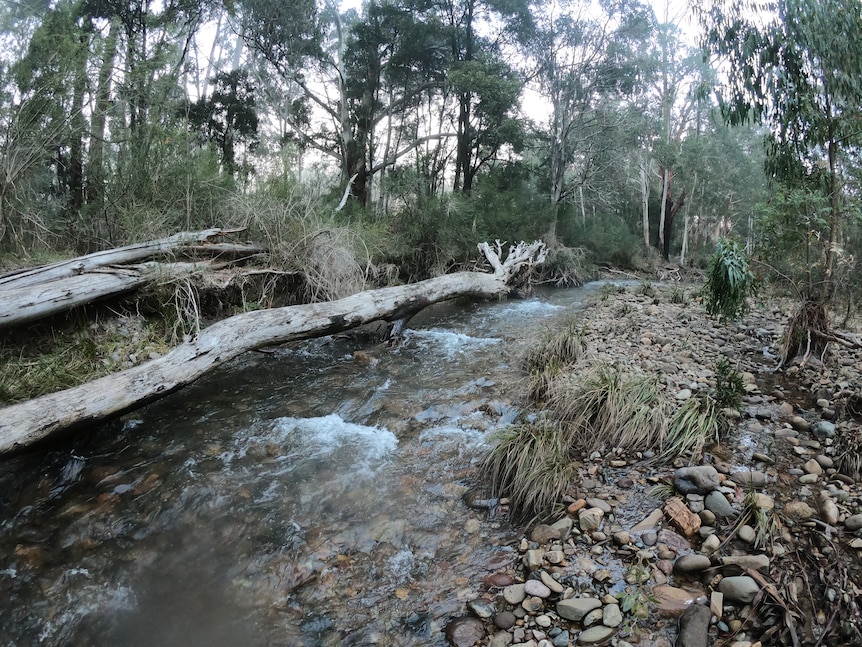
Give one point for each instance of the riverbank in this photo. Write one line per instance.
(756, 542)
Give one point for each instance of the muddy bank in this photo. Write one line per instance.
(757, 541)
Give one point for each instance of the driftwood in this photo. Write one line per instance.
(28, 304)
(35, 293)
(27, 422)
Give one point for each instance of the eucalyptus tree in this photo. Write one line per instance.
(352, 74)
(586, 63)
(796, 67)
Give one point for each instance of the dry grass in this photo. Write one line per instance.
(559, 347)
(604, 409)
(531, 465)
(695, 425)
(335, 259)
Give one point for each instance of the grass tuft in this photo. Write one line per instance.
(530, 463)
(695, 425)
(605, 409)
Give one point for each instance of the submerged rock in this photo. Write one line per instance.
(464, 632)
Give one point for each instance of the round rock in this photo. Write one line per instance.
(691, 563)
(699, 479)
(464, 632)
(596, 635)
(740, 588)
(576, 608)
(505, 619)
(536, 588)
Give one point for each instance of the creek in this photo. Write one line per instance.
(312, 495)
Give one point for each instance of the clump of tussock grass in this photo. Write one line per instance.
(530, 464)
(544, 362)
(606, 409)
(695, 424)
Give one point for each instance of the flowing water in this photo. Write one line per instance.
(308, 496)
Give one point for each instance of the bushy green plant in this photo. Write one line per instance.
(694, 425)
(729, 386)
(729, 282)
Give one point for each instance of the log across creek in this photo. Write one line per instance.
(25, 423)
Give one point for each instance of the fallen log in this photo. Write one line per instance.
(27, 304)
(197, 240)
(27, 422)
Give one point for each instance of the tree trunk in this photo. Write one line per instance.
(645, 170)
(118, 256)
(28, 422)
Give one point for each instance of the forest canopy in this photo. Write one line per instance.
(602, 128)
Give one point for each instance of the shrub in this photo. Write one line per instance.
(729, 282)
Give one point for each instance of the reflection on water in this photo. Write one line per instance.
(300, 497)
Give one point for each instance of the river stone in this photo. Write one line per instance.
(808, 479)
(562, 639)
(576, 608)
(555, 556)
(823, 429)
(718, 504)
(532, 605)
(756, 562)
(740, 588)
(853, 522)
(590, 519)
(622, 538)
(544, 534)
(594, 617)
(746, 533)
(481, 608)
(505, 619)
(650, 522)
(710, 544)
(694, 627)
(673, 600)
(596, 635)
(603, 505)
(699, 479)
(691, 563)
(533, 559)
(564, 527)
(828, 508)
(707, 517)
(497, 580)
(537, 588)
(799, 423)
(798, 510)
(673, 541)
(612, 616)
(465, 632)
(749, 478)
(514, 594)
(501, 639)
(813, 467)
(550, 582)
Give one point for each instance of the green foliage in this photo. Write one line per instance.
(602, 409)
(729, 281)
(694, 425)
(608, 240)
(729, 387)
(531, 465)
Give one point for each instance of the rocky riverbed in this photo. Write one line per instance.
(757, 542)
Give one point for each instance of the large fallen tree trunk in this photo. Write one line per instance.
(191, 240)
(28, 304)
(40, 292)
(25, 423)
